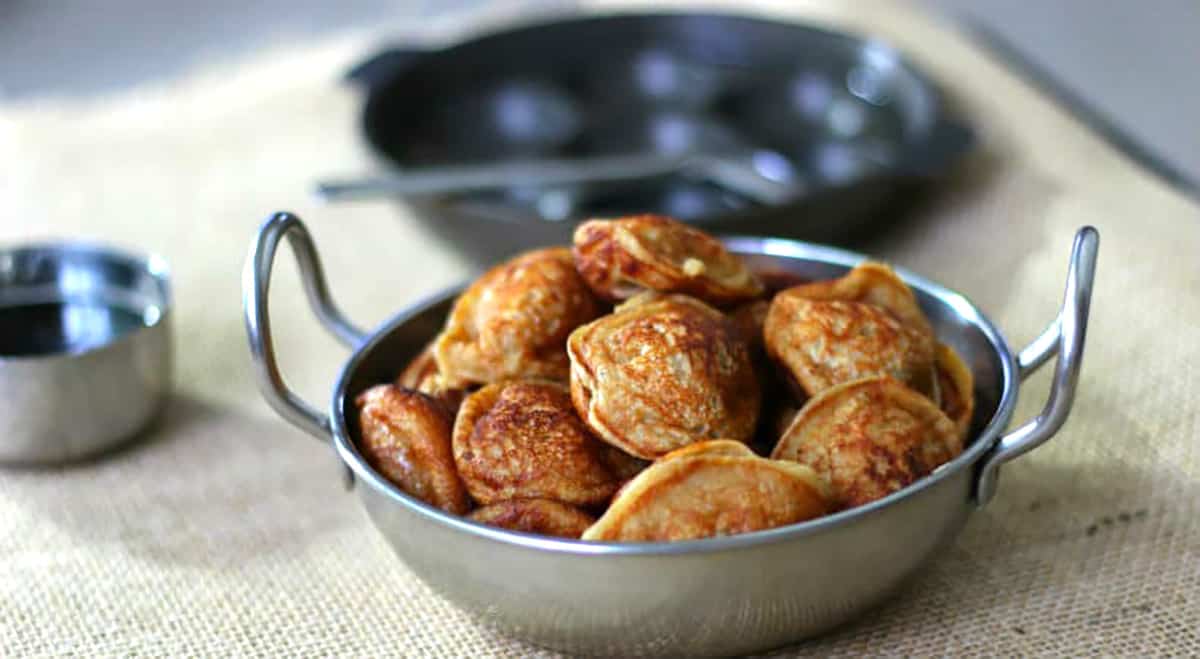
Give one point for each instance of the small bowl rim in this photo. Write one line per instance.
(150, 263)
(745, 245)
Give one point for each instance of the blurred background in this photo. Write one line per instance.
(1129, 68)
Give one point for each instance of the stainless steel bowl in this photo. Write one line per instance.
(715, 596)
(85, 349)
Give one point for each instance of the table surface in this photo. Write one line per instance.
(225, 531)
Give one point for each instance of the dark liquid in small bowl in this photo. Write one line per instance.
(58, 327)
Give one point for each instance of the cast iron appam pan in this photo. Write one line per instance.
(844, 119)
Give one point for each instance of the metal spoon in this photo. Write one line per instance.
(740, 172)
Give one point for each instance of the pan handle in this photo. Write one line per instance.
(1064, 338)
(256, 283)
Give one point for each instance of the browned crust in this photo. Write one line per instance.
(406, 438)
(871, 283)
(422, 375)
(957, 388)
(623, 465)
(711, 489)
(542, 516)
(784, 416)
(662, 374)
(619, 258)
(823, 343)
(521, 439)
(421, 367)
(514, 321)
(750, 318)
(725, 447)
(869, 438)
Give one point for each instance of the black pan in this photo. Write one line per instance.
(848, 118)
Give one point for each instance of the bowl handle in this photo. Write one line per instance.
(1064, 338)
(256, 282)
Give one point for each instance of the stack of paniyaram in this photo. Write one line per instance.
(702, 404)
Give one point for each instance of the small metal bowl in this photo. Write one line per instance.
(715, 596)
(85, 349)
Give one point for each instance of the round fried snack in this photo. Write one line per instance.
(869, 438)
(825, 343)
(957, 387)
(514, 320)
(542, 516)
(422, 375)
(725, 447)
(750, 319)
(659, 375)
(776, 393)
(873, 283)
(406, 438)
(711, 489)
(623, 465)
(784, 416)
(620, 258)
(521, 439)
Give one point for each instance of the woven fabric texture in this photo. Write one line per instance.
(225, 531)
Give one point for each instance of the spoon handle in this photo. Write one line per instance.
(470, 178)
(741, 177)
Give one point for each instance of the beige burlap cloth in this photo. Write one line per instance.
(225, 531)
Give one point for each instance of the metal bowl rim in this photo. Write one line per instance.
(753, 245)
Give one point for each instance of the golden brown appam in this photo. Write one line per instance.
(784, 416)
(750, 318)
(875, 284)
(422, 375)
(725, 447)
(661, 374)
(956, 385)
(711, 489)
(543, 516)
(869, 438)
(406, 438)
(823, 343)
(777, 395)
(514, 321)
(623, 465)
(521, 439)
(620, 258)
